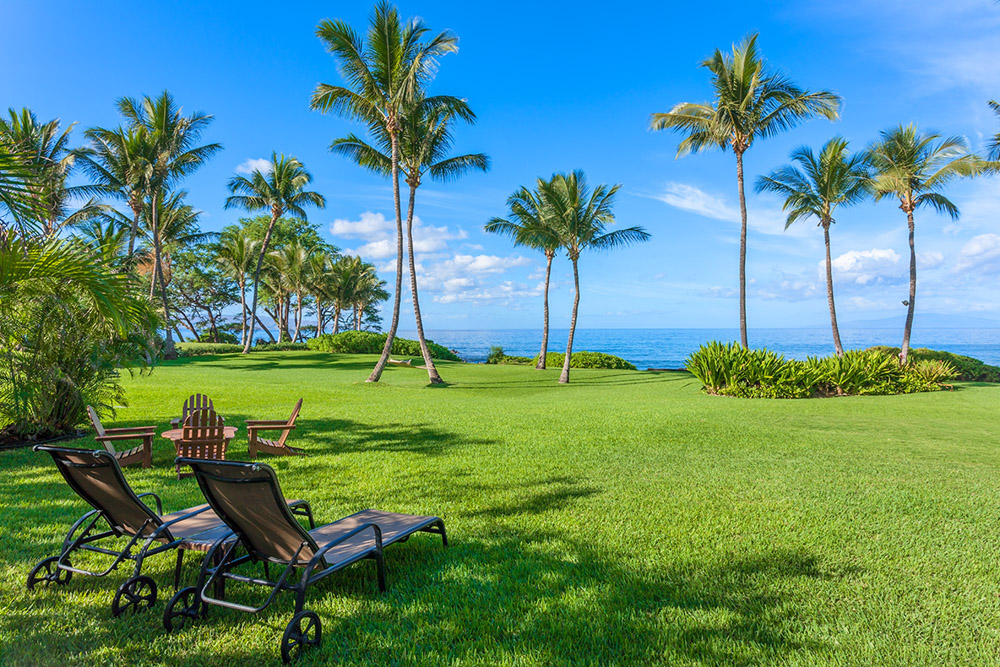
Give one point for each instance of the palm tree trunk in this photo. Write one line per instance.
(743, 250)
(298, 317)
(387, 349)
(243, 311)
(432, 373)
(564, 376)
(168, 345)
(336, 318)
(545, 324)
(134, 232)
(263, 328)
(256, 280)
(829, 293)
(904, 350)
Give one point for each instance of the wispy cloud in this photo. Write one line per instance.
(253, 164)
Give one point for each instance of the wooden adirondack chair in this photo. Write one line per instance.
(259, 445)
(204, 435)
(108, 436)
(193, 402)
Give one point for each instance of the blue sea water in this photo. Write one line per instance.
(667, 348)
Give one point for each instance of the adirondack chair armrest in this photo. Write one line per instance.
(125, 436)
(267, 422)
(131, 429)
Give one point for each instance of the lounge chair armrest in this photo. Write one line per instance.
(342, 538)
(125, 436)
(159, 503)
(186, 515)
(302, 508)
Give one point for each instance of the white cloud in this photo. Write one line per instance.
(369, 227)
(865, 267)
(929, 260)
(253, 164)
(379, 235)
(982, 254)
(689, 198)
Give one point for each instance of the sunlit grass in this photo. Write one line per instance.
(626, 518)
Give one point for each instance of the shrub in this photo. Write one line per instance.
(224, 337)
(732, 370)
(201, 349)
(585, 359)
(497, 356)
(280, 347)
(967, 369)
(369, 342)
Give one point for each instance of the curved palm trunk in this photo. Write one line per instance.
(168, 345)
(743, 250)
(298, 317)
(829, 293)
(256, 282)
(564, 376)
(391, 336)
(134, 232)
(904, 350)
(336, 318)
(243, 310)
(545, 324)
(432, 374)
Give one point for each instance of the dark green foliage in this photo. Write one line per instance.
(732, 370)
(369, 342)
(225, 337)
(201, 349)
(968, 369)
(280, 347)
(497, 356)
(585, 359)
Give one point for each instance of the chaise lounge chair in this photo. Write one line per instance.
(259, 445)
(108, 436)
(248, 498)
(97, 478)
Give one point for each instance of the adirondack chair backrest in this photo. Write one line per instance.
(99, 427)
(194, 403)
(203, 435)
(291, 422)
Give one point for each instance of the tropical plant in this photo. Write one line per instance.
(587, 359)
(173, 153)
(814, 190)
(370, 342)
(385, 75)
(201, 291)
(581, 218)
(425, 141)
(22, 210)
(914, 167)
(530, 224)
(280, 188)
(751, 102)
(236, 254)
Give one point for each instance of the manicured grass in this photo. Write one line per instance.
(626, 518)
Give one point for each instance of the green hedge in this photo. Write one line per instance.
(732, 370)
(369, 342)
(280, 347)
(497, 356)
(968, 369)
(585, 359)
(200, 349)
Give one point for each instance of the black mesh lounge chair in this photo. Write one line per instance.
(247, 497)
(97, 478)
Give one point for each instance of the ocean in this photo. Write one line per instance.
(667, 348)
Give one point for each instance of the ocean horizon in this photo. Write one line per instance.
(668, 348)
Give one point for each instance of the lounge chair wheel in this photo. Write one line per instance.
(135, 594)
(48, 572)
(185, 604)
(304, 630)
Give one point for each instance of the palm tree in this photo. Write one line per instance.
(107, 237)
(425, 141)
(120, 161)
(530, 224)
(581, 218)
(367, 290)
(280, 188)
(22, 209)
(751, 102)
(835, 178)
(236, 254)
(173, 154)
(993, 147)
(385, 75)
(291, 264)
(914, 167)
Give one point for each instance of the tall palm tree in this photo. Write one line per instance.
(367, 290)
(237, 254)
(581, 219)
(280, 188)
(993, 147)
(530, 224)
(424, 145)
(384, 75)
(835, 178)
(914, 167)
(120, 161)
(22, 209)
(107, 237)
(750, 102)
(291, 264)
(173, 154)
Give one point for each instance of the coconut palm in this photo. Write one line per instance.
(237, 254)
(751, 102)
(108, 238)
(120, 161)
(834, 178)
(22, 210)
(424, 144)
(173, 154)
(914, 167)
(291, 264)
(993, 147)
(384, 75)
(280, 188)
(367, 290)
(581, 218)
(530, 224)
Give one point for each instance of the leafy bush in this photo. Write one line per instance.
(732, 370)
(201, 349)
(280, 347)
(585, 359)
(224, 337)
(497, 356)
(967, 369)
(369, 342)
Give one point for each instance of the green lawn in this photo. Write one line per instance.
(626, 518)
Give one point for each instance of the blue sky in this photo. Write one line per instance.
(557, 89)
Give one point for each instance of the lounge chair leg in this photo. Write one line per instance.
(444, 535)
(380, 565)
(177, 570)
